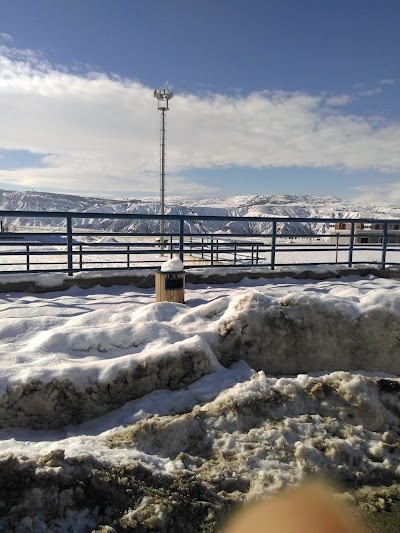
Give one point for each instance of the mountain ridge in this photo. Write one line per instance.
(300, 206)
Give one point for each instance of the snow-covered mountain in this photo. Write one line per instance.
(303, 206)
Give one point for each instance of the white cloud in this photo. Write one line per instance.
(6, 37)
(382, 192)
(389, 81)
(100, 132)
(371, 92)
(340, 99)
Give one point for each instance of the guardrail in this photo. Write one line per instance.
(70, 244)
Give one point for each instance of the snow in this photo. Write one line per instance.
(172, 265)
(112, 252)
(240, 431)
(89, 336)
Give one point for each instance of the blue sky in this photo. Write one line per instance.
(270, 97)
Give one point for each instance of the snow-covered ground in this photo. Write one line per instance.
(206, 434)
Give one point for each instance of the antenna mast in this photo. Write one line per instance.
(163, 96)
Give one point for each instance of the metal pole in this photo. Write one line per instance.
(273, 245)
(163, 96)
(181, 237)
(351, 245)
(162, 181)
(337, 247)
(384, 244)
(69, 246)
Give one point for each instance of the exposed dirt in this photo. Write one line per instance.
(52, 492)
(81, 495)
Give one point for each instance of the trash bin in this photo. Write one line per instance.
(170, 282)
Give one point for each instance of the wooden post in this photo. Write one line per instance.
(170, 287)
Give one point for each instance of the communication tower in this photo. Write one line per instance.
(163, 96)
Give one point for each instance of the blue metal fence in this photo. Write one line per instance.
(67, 247)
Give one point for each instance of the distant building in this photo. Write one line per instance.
(364, 233)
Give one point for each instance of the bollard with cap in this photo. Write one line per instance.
(170, 282)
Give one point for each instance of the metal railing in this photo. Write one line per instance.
(72, 242)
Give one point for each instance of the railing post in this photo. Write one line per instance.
(212, 251)
(127, 256)
(273, 245)
(171, 247)
(384, 244)
(181, 237)
(27, 257)
(80, 257)
(351, 245)
(337, 247)
(234, 254)
(69, 246)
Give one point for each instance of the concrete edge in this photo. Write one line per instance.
(147, 280)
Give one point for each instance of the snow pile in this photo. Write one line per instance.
(48, 402)
(105, 240)
(184, 470)
(302, 332)
(266, 433)
(172, 265)
(79, 354)
(182, 439)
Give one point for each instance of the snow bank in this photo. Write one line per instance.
(43, 402)
(320, 421)
(183, 470)
(72, 356)
(303, 332)
(266, 433)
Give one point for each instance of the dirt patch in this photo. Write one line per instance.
(53, 491)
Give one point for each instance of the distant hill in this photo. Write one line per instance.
(47, 201)
(304, 206)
